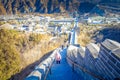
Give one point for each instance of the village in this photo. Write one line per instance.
(36, 24)
(52, 25)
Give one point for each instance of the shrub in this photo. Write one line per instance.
(9, 59)
(15, 47)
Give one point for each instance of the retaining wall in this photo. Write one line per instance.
(103, 61)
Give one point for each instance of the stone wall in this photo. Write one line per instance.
(77, 55)
(91, 57)
(103, 61)
(41, 70)
(108, 63)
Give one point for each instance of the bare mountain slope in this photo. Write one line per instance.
(53, 6)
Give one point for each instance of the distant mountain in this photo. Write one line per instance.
(55, 6)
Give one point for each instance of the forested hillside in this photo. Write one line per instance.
(15, 52)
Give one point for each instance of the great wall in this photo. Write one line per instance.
(92, 62)
(101, 62)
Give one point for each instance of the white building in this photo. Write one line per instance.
(96, 20)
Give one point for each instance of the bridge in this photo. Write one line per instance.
(91, 63)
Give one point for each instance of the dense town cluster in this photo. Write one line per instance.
(36, 24)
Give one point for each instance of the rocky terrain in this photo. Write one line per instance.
(57, 6)
(109, 32)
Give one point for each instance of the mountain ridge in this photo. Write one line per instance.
(49, 6)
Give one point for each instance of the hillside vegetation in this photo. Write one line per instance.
(9, 55)
(108, 32)
(97, 34)
(15, 50)
(84, 37)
